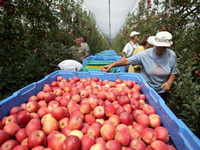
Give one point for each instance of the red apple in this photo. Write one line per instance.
(148, 109)
(118, 81)
(115, 119)
(89, 119)
(148, 135)
(109, 110)
(42, 103)
(143, 120)
(136, 113)
(85, 108)
(108, 131)
(49, 96)
(34, 124)
(36, 138)
(54, 84)
(56, 142)
(32, 106)
(138, 126)
(11, 119)
(58, 113)
(21, 135)
(113, 145)
(63, 122)
(155, 120)
(42, 111)
(40, 95)
(49, 125)
(23, 117)
(15, 110)
(122, 128)
(9, 145)
(111, 96)
(93, 102)
(11, 128)
(162, 134)
(134, 134)
(4, 136)
(84, 128)
(94, 131)
(138, 144)
(21, 147)
(158, 145)
(98, 146)
(87, 142)
(65, 131)
(135, 104)
(72, 143)
(123, 138)
(75, 123)
(122, 100)
(99, 112)
(125, 118)
(77, 133)
(128, 108)
(77, 113)
(119, 110)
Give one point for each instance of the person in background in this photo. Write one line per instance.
(130, 47)
(145, 44)
(85, 45)
(71, 65)
(77, 52)
(158, 64)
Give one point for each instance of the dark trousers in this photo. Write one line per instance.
(164, 96)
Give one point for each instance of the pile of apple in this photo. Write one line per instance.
(85, 114)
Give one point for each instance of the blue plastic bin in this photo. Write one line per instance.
(181, 135)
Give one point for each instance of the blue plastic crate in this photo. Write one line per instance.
(104, 58)
(181, 136)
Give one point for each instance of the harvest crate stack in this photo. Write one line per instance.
(101, 59)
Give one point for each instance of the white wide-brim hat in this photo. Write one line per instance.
(134, 33)
(163, 39)
(151, 39)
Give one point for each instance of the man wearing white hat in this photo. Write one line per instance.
(130, 47)
(158, 64)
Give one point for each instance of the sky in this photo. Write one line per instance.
(110, 15)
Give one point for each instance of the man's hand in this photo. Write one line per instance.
(106, 68)
(166, 86)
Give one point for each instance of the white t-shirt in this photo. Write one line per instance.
(129, 48)
(70, 65)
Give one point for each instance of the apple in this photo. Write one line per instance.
(54, 84)
(118, 81)
(21, 147)
(71, 143)
(89, 119)
(34, 124)
(122, 100)
(125, 118)
(136, 113)
(49, 125)
(40, 95)
(76, 98)
(148, 135)
(137, 144)
(143, 120)
(58, 113)
(32, 107)
(59, 78)
(66, 131)
(93, 102)
(75, 123)
(94, 130)
(15, 110)
(58, 92)
(123, 93)
(109, 110)
(9, 145)
(63, 122)
(42, 103)
(84, 128)
(158, 145)
(50, 96)
(47, 116)
(123, 138)
(24, 142)
(119, 110)
(99, 112)
(115, 119)
(47, 89)
(42, 111)
(11, 128)
(148, 109)
(122, 128)
(162, 134)
(138, 126)
(113, 145)
(134, 134)
(77, 113)
(87, 142)
(142, 97)
(85, 94)
(128, 108)
(77, 133)
(11, 118)
(136, 96)
(4, 136)
(108, 131)
(23, 117)
(85, 108)
(21, 135)
(129, 84)
(63, 102)
(135, 104)
(155, 120)
(56, 142)
(111, 96)
(51, 105)
(36, 138)
(98, 146)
